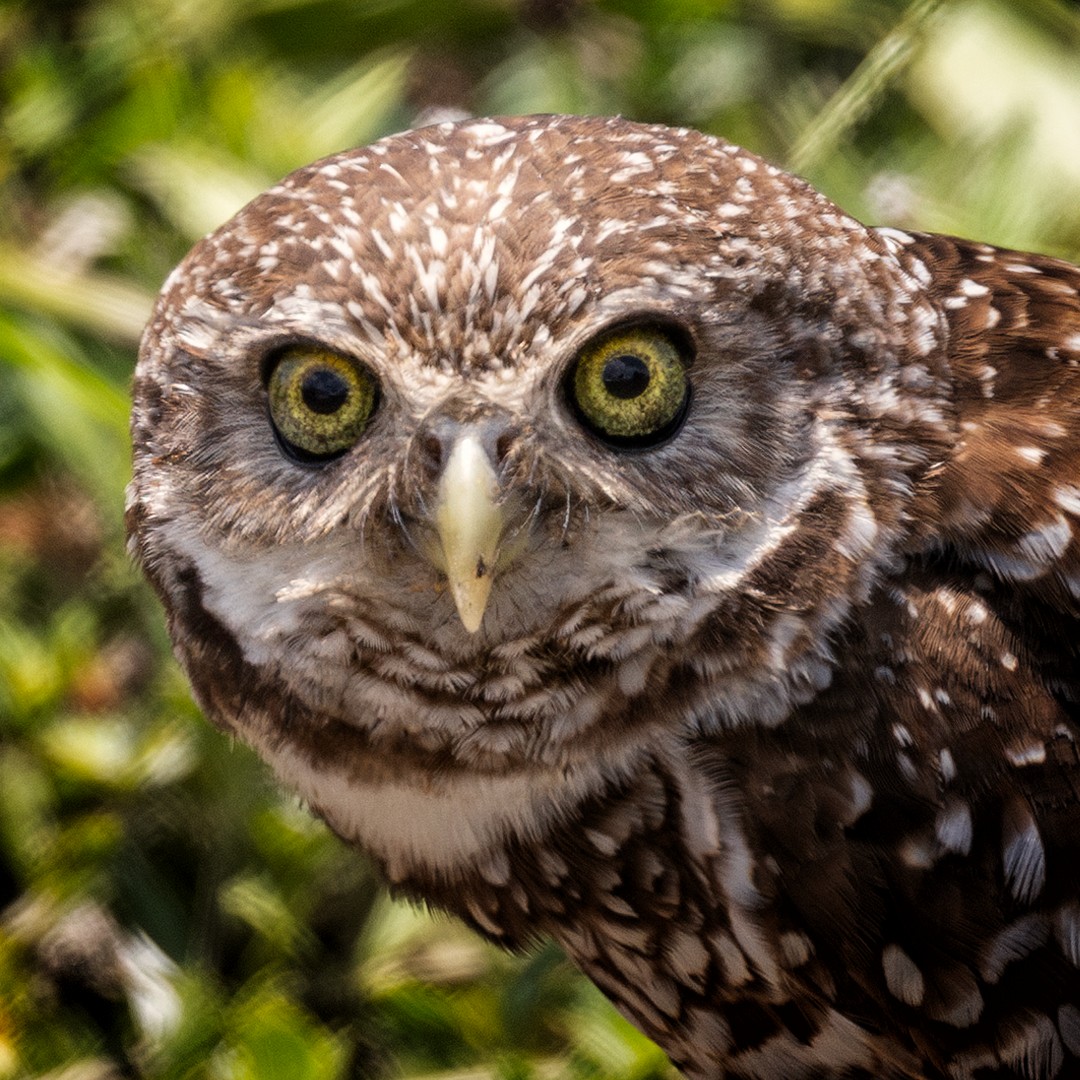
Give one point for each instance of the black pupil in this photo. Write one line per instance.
(625, 376)
(324, 391)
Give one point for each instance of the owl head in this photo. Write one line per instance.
(500, 440)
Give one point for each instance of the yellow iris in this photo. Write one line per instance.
(320, 401)
(630, 385)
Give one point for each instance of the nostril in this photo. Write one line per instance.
(431, 446)
(504, 444)
(439, 434)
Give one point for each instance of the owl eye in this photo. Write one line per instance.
(630, 386)
(320, 401)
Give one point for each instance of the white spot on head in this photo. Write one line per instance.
(398, 219)
(438, 240)
(487, 133)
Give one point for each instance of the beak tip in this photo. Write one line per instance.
(470, 599)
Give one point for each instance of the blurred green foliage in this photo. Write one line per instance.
(164, 911)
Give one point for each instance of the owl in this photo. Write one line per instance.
(622, 545)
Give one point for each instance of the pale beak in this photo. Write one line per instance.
(470, 523)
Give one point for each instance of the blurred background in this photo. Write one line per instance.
(164, 912)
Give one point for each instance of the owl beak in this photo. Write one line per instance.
(469, 523)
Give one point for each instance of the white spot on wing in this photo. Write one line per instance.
(959, 1002)
(947, 765)
(1048, 542)
(1067, 496)
(1014, 942)
(953, 826)
(1067, 930)
(1031, 1046)
(896, 239)
(795, 949)
(1026, 753)
(902, 976)
(1023, 855)
(1069, 1025)
(687, 958)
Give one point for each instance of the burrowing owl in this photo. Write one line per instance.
(620, 543)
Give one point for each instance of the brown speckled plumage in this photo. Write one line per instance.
(770, 723)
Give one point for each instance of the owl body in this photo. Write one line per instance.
(623, 545)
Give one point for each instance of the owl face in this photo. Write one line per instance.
(487, 439)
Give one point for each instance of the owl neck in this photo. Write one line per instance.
(431, 829)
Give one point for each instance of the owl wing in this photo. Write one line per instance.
(1008, 500)
(923, 813)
